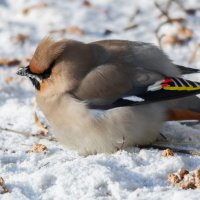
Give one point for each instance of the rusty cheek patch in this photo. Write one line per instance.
(179, 114)
(43, 85)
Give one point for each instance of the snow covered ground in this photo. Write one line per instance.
(62, 174)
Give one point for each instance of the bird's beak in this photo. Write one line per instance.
(35, 78)
(24, 71)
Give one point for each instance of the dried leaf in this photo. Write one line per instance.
(13, 62)
(3, 188)
(87, 3)
(38, 148)
(174, 39)
(71, 29)
(2, 182)
(9, 79)
(185, 32)
(185, 179)
(75, 30)
(9, 62)
(3, 61)
(197, 178)
(173, 179)
(40, 5)
(41, 133)
(183, 172)
(20, 38)
(167, 153)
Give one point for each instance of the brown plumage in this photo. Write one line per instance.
(71, 76)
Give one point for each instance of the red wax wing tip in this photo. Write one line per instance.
(167, 81)
(164, 84)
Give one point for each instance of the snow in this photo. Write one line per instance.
(63, 174)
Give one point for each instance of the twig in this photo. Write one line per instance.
(168, 20)
(27, 134)
(132, 18)
(164, 12)
(194, 54)
(131, 26)
(175, 150)
(158, 37)
(168, 4)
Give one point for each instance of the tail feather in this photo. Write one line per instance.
(187, 108)
(187, 70)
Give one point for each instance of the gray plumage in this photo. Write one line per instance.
(100, 73)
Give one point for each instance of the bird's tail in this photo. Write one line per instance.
(187, 108)
(187, 70)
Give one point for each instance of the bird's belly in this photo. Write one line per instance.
(106, 132)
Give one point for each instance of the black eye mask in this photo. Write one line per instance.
(35, 78)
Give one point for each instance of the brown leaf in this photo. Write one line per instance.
(173, 179)
(185, 180)
(41, 133)
(167, 153)
(183, 172)
(2, 182)
(87, 3)
(38, 148)
(39, 5)
(75, 30)
(13, 62)
(175, 39)
(9, 62)
(9, 79)
(20, 38)
(3, 188)
(3, 61)
(185, 32)
(197, 178)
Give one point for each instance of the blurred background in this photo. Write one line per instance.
(174, 25)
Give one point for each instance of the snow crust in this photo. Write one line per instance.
(62, 174)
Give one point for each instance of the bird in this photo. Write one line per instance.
(107, 95)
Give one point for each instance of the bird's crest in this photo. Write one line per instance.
(45, 54)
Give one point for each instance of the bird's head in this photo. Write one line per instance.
(57, 67)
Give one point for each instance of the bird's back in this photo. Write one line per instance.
(136, 54)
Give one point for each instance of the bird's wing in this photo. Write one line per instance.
(111, 86)
(108, 83)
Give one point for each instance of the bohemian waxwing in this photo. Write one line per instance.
(84, 91)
